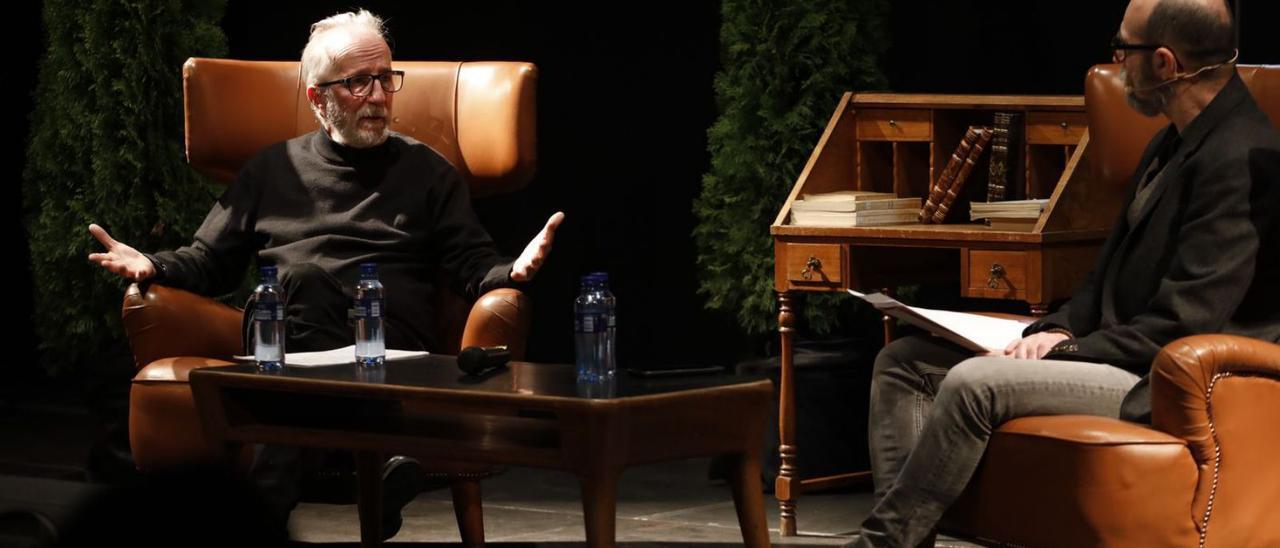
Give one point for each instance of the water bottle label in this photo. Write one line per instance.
(268, 311)
(613, 321)
(590, 323)
(368, 308)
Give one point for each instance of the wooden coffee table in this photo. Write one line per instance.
(527, 415)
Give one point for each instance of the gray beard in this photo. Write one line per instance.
(343, 125)
(1149, 106)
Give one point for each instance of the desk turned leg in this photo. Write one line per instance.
(600, 505)
(369, 468)
(787, 487)
(749, 500)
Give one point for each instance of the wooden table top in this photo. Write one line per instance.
(434, 376)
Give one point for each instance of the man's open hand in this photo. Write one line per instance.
(528, 263)
(120, 258)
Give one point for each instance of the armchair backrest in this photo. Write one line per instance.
(478, 115)
(1118, 134)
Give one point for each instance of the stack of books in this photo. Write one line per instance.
(851, 208)
(1013, 215)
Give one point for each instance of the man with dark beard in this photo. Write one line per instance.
(1192, 252)
(319, 205)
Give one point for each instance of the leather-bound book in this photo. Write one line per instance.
(984, 137)
(1005, 172)
(939, 189)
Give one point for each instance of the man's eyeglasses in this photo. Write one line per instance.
(362, 84)
(1120, 49)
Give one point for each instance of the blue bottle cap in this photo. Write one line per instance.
(368, 270)
(268, 273)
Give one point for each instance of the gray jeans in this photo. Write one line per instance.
(933, 408)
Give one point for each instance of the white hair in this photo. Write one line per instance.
(318, 57)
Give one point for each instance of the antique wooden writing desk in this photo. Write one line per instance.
(899, 143)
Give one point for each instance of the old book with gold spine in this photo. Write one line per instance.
(984, 136)
(939, 189)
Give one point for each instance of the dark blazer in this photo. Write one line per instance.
(1201, 256)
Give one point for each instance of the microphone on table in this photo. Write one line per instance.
(479, 360)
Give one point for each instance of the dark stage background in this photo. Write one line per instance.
(625, 99)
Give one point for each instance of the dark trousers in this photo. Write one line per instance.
(316, 305)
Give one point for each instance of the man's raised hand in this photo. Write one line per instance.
(529, 261)
(120, 258)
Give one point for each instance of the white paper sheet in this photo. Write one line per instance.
(337, 356)
(973, 331)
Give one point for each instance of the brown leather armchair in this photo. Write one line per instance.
(478, 115)
(1201, 474)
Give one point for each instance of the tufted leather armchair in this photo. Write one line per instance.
(479, 115)
(1201, 475)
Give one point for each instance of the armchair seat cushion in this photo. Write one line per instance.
(1075, 480)
(165, 431)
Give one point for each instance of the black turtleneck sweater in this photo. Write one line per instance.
(310, 200)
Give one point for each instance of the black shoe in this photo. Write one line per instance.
(402, 480)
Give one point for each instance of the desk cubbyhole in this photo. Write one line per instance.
(1045, 164)
(911, 169)
(875, 166)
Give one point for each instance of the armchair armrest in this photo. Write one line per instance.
(1221, 393)
(1185, 374)
(163, 322)
(500, 317)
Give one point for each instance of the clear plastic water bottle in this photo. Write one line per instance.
(371, 342)
(268, 322)
(609, 342)
(593, 312)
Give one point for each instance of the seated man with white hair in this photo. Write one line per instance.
(319, 205)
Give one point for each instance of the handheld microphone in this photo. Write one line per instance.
(479, 360)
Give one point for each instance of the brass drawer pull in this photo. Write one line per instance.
(1064, 125)
(810, 267)
(997, 274)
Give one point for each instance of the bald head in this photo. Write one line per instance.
(1200, 32)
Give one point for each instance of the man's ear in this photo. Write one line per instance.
(315, 98)
(1164, 63)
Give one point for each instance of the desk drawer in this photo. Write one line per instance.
(1056, 128)
(815, 264)
(894, 125)
(997, 274)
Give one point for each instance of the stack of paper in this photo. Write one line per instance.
(1018, 215)
(854, 208)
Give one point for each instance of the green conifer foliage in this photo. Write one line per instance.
(106, 146)
(785, 65)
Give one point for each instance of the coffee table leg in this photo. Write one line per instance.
(468, 511)
(749, 500)
(600, 505)
(369, 467)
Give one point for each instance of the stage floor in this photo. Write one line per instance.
(44, 448)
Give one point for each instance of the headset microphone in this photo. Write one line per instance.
(1185, 76)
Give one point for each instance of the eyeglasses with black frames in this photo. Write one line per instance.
(1120, 49)
(361, 85)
